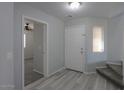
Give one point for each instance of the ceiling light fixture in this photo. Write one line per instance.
(74, 5)
(29, 26)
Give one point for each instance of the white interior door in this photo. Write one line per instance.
(75, 48)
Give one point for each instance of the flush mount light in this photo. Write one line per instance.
(29, 26)
(74, 5)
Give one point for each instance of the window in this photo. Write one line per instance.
(24, 40)
(98, 39)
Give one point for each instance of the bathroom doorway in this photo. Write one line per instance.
(34, 52)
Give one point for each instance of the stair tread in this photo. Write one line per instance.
(115, 62)
(116, 68)
(111, 75)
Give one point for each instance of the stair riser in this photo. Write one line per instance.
(114, 70)
(107, 77)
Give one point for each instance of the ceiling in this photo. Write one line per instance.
(95, 9)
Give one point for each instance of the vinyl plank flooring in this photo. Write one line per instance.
(51, 79)
(30, 75)
(71, 83)
(111, 86)
(61, 82)
(79, 82)
(100, 83)
(73, 80)
(67, 81)
(91, 81)
(84, 82)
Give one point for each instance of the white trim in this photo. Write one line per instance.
(28, 58)
(7, 87)
(88, 73)
(45, 69)
(35, 70)
(56, 71)
(34, 19)
(101, 67)
(22, 52)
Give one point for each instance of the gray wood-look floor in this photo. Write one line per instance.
(72, 80)
(30, 75)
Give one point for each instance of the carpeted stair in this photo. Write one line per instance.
(113, 72)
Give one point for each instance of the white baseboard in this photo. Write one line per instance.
(101, 67)
(30, 58)
(38, 71)
(7, 87)
(56, 71)
(88, 73)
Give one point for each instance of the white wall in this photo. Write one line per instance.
(55, 39)
(38, 47)
(116, 39)
(28, 50)
(6, 46)
(93, 59)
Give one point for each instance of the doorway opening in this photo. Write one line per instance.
(34, 50)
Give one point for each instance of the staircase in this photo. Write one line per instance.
(113, 72)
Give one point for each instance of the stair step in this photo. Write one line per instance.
(111, 75)
(116, 68)
(115, 62)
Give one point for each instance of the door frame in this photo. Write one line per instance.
(45, 34)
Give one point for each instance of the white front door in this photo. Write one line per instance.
(75, 47)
